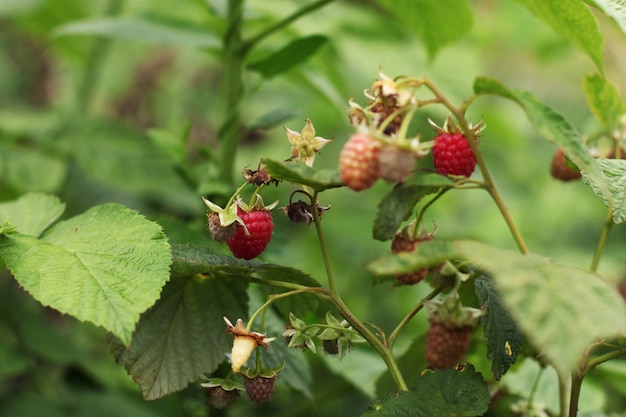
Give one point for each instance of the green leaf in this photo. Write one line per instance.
(142, 29)
(553, 127)
(604, 100)
(298, 173)
(32, 213)
(273, 118)
(106, 266)
(398, 204)
(561, 309)
(171, 144)
(289, 56)
(438, 394)
(616, 9)
(183, 335)
(504, 339)
(193, 259)
(437, 23)
(615, 172)
(574, 20)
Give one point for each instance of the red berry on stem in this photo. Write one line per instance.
(250, 244)
(359, 165)
(402, 243)
(453, 155)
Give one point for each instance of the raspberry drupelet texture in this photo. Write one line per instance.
(260, 227)
(445, 346)
(453, 155)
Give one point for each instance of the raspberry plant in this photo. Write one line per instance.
(485, 312)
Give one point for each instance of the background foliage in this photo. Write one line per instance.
(118, 107)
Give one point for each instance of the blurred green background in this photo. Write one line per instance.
(75, 117)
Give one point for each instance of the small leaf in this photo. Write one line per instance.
(437, 23)
(438, 394)
(183, 335)
(298, 173)
(504, 339)
(398, 204)
(615, 172)
(142, 29)
(574, 20)
(171, 145)
(560, 309)
(604, 100)
(486, 85)
(106, 266)
(32, 213)
(616, 9)
(289, 56)
(273, 118)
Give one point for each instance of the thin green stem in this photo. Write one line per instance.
(608, 224)
(281, 284)
(396, 332)
(533, 390)
(233, 88)
(490, 186)
(376, 343)
(604, 358)
(270, 300)
(254, 40)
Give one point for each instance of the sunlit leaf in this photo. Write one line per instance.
(438, 394)
(560, 309)
(574, 20)
(106, 266)
(615, 173)
(32, 213)
(616, 9)
(604, 100)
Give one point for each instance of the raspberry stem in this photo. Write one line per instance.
(396, 332)
(489, 185)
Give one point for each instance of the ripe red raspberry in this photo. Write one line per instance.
(559, 168)
(453, 155)
(402, 243)
(259, 388)
(446, 345)
(359, 162)
(260, 227)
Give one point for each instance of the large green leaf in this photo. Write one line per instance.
(142, 29)
(183, 335)
(553, 127)
(437, 23)
(31, 213)
(106, 266)
(298, 173)
(27, 169)
(574, 20)
(291, 55)
(504, 339)
(560, 309)
(615, 173)
(616, 9)
(604, 100)
(438, 394)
